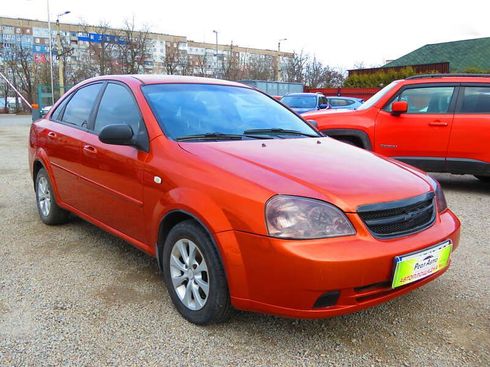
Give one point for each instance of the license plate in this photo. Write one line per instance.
(417, 265)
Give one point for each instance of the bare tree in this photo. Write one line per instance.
(318, 75)
(171, 59)
(313, 73)
(259, 67)
(134, 47)
(202, 64)
(294, 71)
(4, 87)
(184, 63)
(23, 69)
(75, 72)
(102, 49)
(231, 67)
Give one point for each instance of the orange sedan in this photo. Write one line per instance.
(243, 203)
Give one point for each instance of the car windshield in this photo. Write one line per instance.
(374, 99)
(299, 101)
(187, 110)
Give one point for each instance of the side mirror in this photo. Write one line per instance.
(399, 107)
(322, 106)
(120, 134)
(313, 123)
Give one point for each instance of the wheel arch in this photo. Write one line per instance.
(169, 221)
(359, 135)
(37, 165)
(41, 161)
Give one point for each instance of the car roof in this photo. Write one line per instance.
(166, 79)
(448, 78)
(303, 94)
(345, 97)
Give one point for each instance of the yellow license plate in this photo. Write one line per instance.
(417, 265)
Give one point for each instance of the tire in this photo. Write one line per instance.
(485, 179)
(187, 288)
(48, 209)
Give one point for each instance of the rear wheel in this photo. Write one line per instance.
(194, 275)
(485, 179)
(48, 209)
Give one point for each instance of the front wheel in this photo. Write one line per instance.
(194, 275)
(485, 179)
(48, 209)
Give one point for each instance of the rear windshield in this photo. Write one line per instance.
(299, 101)
(190, 109)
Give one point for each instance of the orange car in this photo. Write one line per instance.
(438, 123)
(242, 203)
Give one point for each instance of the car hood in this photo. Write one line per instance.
(322, 168)
(332, 111)
(302, 110)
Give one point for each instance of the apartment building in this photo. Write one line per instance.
(166, 53)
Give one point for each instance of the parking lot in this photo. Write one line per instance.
(75, 295)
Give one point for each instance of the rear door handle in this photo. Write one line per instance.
(52, 134)
(90, 149)
(437, 123)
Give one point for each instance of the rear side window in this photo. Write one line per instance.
(475, 100)
(117, 106)
(341, 102)
(57, 114)
(426, 99)
(77, 111)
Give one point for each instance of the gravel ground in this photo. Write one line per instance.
(74, 295)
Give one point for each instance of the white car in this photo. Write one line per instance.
(44, 111)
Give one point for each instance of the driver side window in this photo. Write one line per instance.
(117, 106)
(425, 99)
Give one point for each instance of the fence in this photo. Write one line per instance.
(274, 88)
(44, 94)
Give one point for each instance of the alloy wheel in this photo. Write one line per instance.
(44, 196)
(189, 274)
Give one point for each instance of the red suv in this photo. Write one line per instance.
(242, 202)
(439, 123)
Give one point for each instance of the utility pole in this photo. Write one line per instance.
(278, 71)
(59, 54)
(50, 55)
(216, 54)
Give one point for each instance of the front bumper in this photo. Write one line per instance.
(287, 277)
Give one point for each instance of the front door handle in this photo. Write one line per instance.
(437, 123)
(52, 134)
(90, 149)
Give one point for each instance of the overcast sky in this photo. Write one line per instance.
(340, 33)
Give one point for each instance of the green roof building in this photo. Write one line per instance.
(463, 56)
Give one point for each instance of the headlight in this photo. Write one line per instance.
(301, 218)
(440, 198)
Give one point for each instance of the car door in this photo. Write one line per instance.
(62, 136)
(112, 175)
(468, 150)
(421, 135)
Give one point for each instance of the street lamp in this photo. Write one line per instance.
(59, 53)
(216, 54)
(279, 44)
(278, 75)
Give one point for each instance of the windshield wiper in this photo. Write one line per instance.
(218, 136)
(278, 131)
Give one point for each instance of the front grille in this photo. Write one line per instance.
(399, 218)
